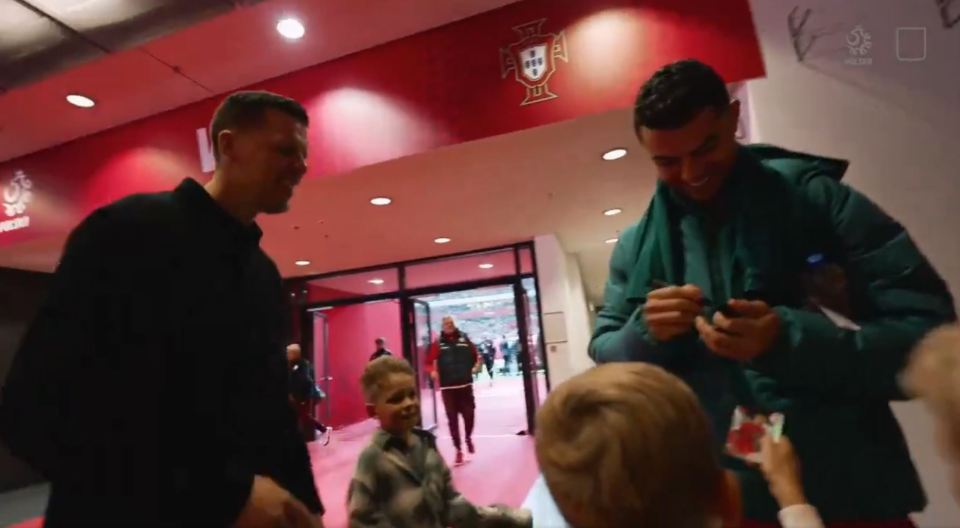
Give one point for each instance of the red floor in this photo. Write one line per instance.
(502, 471)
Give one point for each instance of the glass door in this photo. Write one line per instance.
(422, 339)
(321, 364)
(537, 350)
(529, 362)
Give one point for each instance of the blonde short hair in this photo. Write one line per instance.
(377, 371)
(625, 445)
(933, 374)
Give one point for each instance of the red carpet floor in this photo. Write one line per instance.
(502, 471)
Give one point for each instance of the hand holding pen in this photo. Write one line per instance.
(739, 329)
(670, 311)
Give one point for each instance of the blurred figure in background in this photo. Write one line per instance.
(381, 349)
(305, 394)
(488, 354)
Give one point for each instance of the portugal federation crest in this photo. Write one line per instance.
(533, 59)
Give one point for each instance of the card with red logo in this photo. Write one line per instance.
(747, 429)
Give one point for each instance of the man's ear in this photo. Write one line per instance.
(226, 142)
(371, 410)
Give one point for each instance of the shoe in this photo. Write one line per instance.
(459, 459)
(470, 448)
(324, 436)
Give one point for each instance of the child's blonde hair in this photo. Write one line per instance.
(625, 445)
(933, 374)
(377, 371)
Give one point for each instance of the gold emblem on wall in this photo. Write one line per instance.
(533, 60)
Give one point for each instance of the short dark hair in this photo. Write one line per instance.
(677, 93)
(244, 109)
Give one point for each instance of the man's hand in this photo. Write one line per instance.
(749, 334)
(670, 312)
(271, 506)
(781, 468)
(434, 376)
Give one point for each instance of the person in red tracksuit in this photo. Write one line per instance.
(452, 362)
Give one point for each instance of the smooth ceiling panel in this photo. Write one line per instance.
(39, 115)
(22, 30)
(31, 45)
(246, 48)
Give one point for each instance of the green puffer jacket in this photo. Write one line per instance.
(833, 384)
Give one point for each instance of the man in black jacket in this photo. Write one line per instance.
(152, 387)
(452, 362)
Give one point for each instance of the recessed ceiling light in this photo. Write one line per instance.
(611, 240)
(81, 100)
(377, 282)
(614, 154)
(485, 265)
(381, 200)
(302, 263)
(291, 28)
(441, 240)
(613, 212)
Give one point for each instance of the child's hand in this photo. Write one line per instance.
(781, 468)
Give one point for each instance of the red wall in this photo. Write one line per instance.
(352, 330)
(437, 88)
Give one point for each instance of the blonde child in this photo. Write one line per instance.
(628, 445)
(401, 481)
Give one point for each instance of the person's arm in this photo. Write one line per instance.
(90, 355)
(460, 511)
(781, 468)
(477, 364)
(621, 333)
(363, 508)
(800, 516)
(431, 361)
(68, 325)
(905, 295)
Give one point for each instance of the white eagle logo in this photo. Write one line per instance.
(17, 194)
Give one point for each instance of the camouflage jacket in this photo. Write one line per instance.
(401, 484)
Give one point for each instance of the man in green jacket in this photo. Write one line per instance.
(710, 285)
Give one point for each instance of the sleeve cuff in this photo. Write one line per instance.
(632, 343)
(800, 516)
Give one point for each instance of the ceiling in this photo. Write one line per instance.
(140, 58)
(480, 194)
(43, 37)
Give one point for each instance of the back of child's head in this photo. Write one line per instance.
(626, 445)
(376, 373)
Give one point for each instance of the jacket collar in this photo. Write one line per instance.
(392, 448)
(199, 202)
